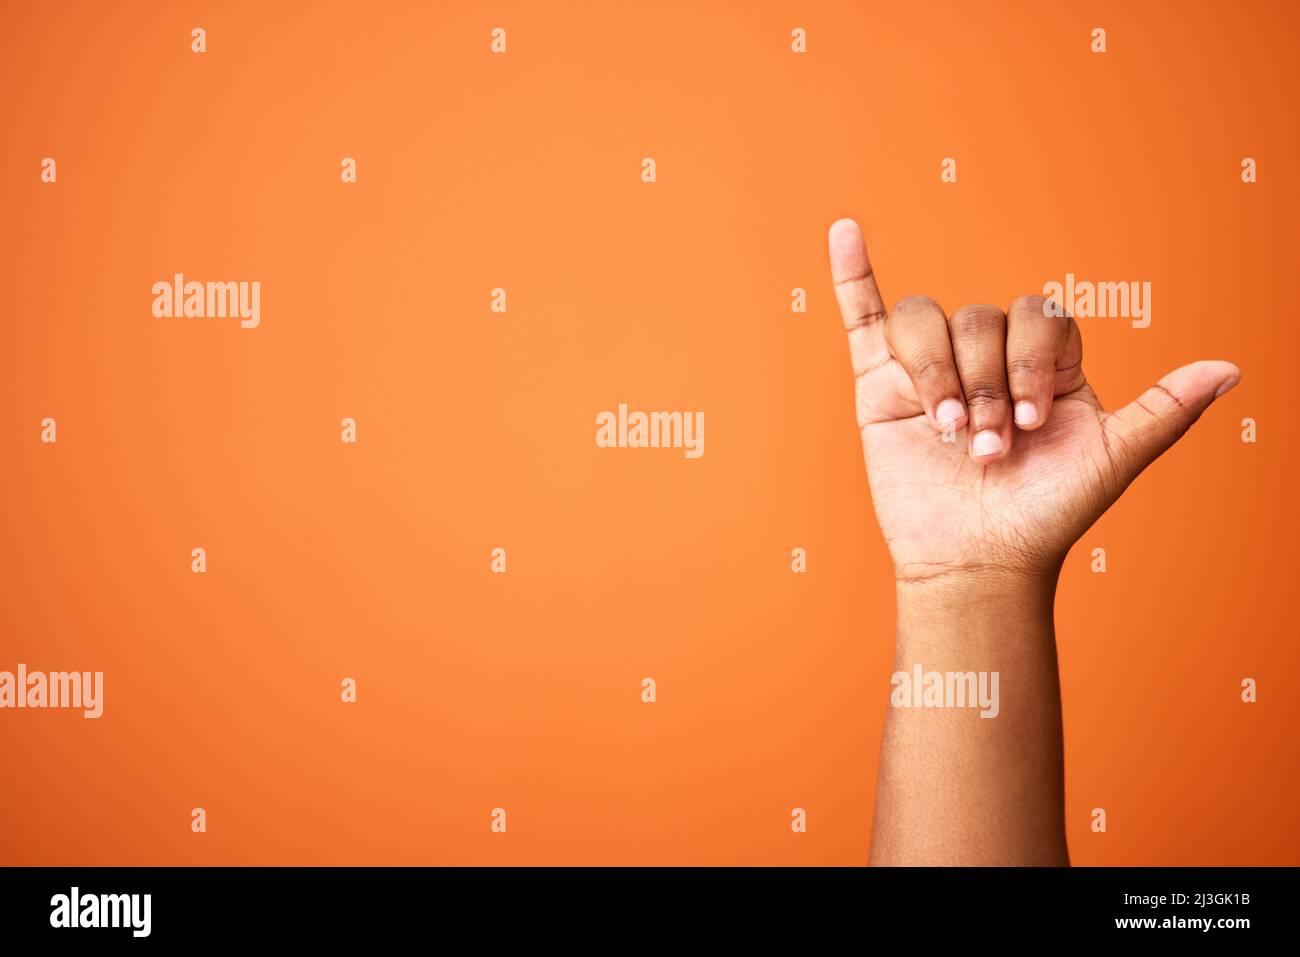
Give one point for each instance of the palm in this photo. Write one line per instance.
(941, 511)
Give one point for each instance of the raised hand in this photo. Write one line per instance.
(988, 456)
(1031, 458)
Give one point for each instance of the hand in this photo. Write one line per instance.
(1032, 458)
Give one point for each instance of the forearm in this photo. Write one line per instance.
(956, 788)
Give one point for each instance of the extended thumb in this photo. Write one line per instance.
(1160, 416)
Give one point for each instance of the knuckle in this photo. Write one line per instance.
(915, 306)
(981, 393)
(1031, 305)
(977, 318)
(1173, 404)
(1029, 367)
(931, 366)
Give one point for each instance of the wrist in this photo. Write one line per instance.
(990, 608)
(988, 582)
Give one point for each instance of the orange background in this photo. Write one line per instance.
(476, 430)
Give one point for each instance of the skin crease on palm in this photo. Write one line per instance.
(946, 510)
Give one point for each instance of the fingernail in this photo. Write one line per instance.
(1026, 413)
(948, 412)
(987, 442)
(1228, 383)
